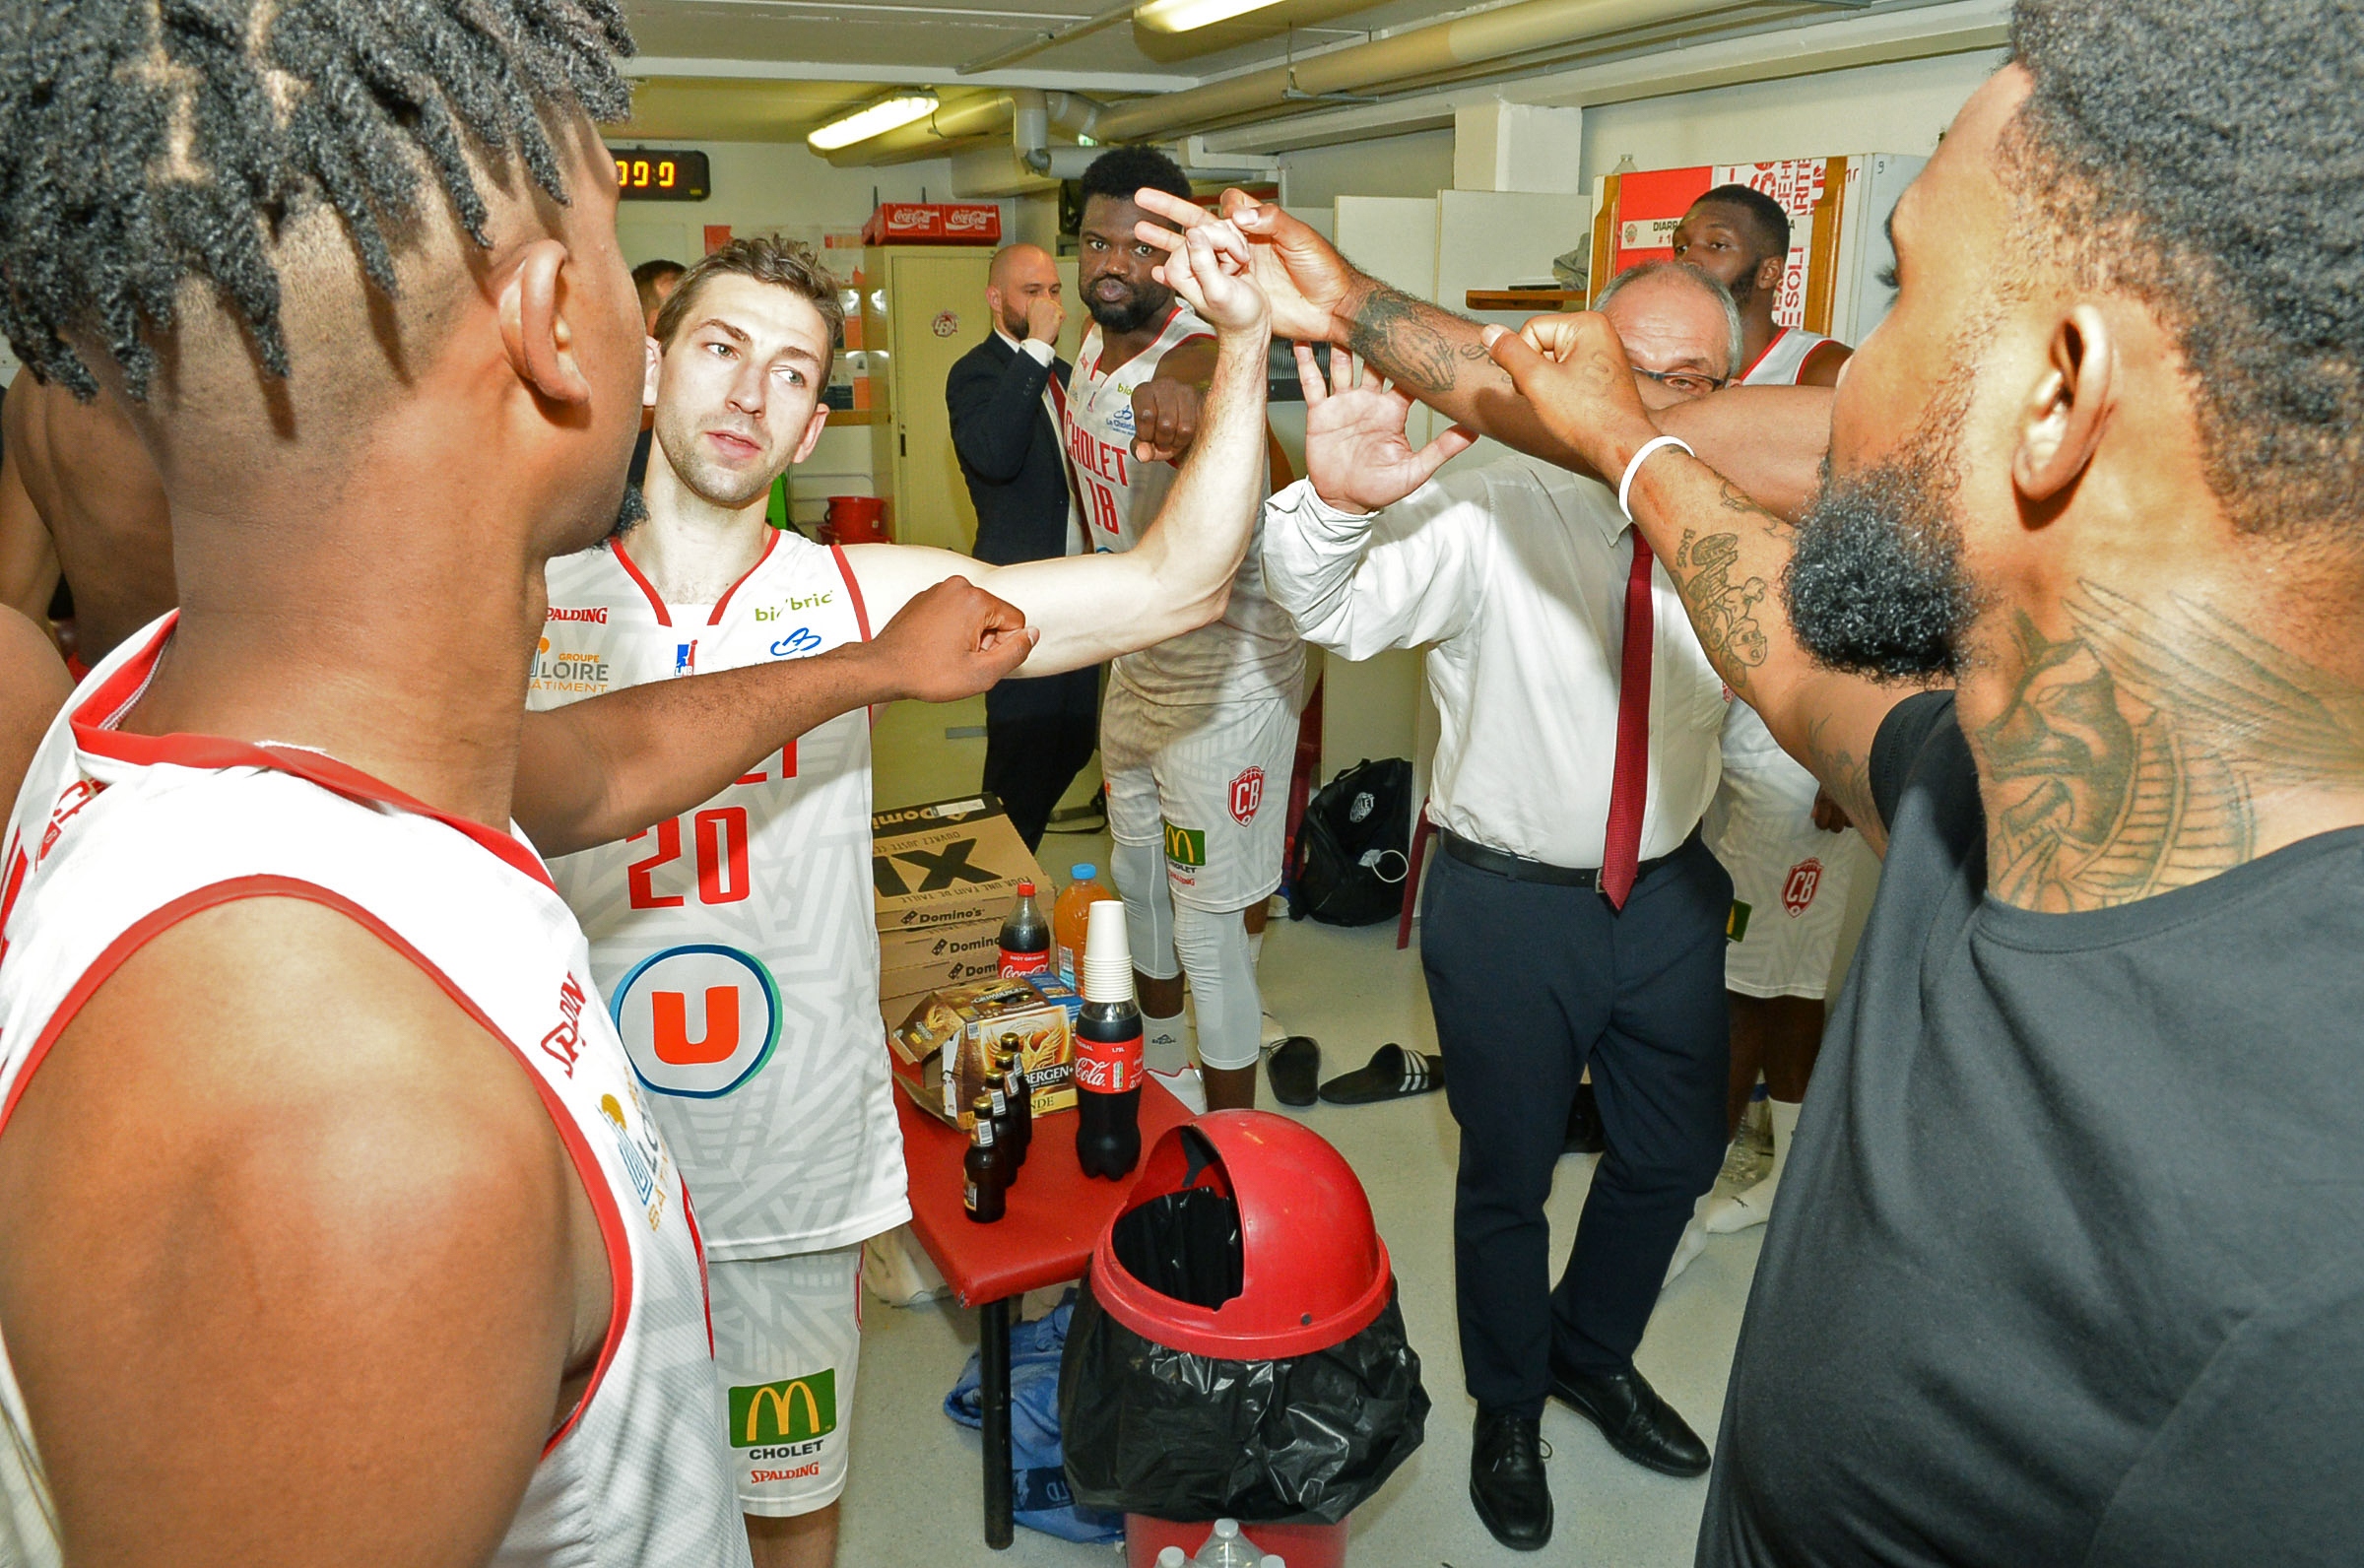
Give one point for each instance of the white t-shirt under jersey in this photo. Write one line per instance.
(735, 942)
(117, 836)
(1253, 651)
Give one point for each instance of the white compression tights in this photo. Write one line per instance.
(1222, 977)
(1149, 907)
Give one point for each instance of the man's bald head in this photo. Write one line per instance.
(1679, 327)
(1021, 275)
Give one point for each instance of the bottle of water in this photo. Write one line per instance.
(1226, 1547)
(1172, 1557)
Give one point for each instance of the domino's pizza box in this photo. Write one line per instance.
(960, 965)
(924, 947)
(947, 863)
(941, 1046)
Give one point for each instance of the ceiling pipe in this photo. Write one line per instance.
(1444, 46)
(1442, 51)
(1105, 17)
(987, 114)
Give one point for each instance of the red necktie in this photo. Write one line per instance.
(1630, 785)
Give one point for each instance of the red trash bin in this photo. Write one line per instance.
(1288, 1185)
(856, 520)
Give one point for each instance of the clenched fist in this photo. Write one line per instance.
(1165, 420)
(951, 641)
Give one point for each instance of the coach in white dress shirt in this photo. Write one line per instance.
(1574, 915)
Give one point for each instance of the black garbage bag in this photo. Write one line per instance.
(1153, 1430)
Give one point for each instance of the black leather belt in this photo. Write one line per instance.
(1518, 868)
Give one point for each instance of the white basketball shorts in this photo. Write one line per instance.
(1789, 878)
(1210, 782)
(787, 1341)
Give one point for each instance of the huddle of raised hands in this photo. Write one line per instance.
(1571, 368)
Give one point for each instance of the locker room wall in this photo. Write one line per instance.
(1419, 164)
(1898, 108)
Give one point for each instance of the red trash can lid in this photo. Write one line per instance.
(1314, 1271)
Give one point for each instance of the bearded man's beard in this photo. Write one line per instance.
(1876, 586)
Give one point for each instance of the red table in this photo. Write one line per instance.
(1056, 1214)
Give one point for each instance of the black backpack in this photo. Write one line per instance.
(1350, 863)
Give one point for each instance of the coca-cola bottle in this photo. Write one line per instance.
(985, 1170)
(1021, 1095)
(1026, 936)
(1108, 1066)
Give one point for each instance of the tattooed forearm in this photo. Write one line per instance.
(1847, 779)
(1723, 601)
(1410, 342)
(2128, 755)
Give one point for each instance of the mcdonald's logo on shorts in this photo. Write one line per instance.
(795, 1410)
(1185, 846)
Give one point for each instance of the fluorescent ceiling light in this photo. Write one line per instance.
(1181, 16)
(865, 123)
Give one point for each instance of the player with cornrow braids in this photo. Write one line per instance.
(313, 1125)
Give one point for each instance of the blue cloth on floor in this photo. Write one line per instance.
(1037, 1464)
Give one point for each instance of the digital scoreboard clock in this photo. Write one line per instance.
(661, 174)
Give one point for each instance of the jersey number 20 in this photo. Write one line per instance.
(720, 833)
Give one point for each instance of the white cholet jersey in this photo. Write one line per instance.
(116, 837)
(1784, 357)
(735, 942)
(1253, 651)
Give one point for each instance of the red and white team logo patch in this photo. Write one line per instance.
(1798, 891)
(1247, 793)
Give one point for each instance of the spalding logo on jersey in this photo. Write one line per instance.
(698, 1020)
(1798, 891)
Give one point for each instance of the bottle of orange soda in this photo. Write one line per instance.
(1071, 916)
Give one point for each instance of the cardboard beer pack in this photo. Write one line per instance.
(943, 1045)
(944, 863)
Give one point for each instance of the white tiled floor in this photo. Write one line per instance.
(913, 1500)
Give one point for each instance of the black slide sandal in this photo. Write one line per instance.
(1392, 1074)
(1295, 1069)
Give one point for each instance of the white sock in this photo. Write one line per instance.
(1785, 1127)
(1255, 946)
(1164, 1043)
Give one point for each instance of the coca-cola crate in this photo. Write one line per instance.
(934, 223)
(972, 222)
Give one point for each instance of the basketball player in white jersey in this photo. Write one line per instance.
(1741, 238)
(333, 1227)
(1198, 734)
(735, 943)
(1786, 843)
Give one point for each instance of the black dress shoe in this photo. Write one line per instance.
(1585, 1136)
(1638, 1423)
(1506, 1480)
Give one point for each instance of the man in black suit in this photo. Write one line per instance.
(1038, 734)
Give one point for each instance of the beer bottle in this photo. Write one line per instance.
(1108, 1066)
(999, 1103)
(985, 1188)
(1026, 936)
(1021, 1095)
